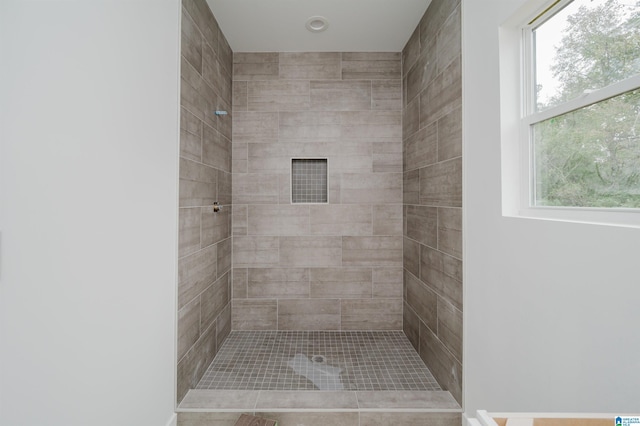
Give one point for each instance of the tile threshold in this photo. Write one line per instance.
(198, 400)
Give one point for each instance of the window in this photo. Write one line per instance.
(579, 127)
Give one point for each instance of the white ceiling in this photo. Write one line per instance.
(354, 25)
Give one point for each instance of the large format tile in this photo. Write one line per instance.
(278, 95)
(223, 324)
(387, 156)
(308, 126)
(411, 51)
(188, 326)
(341, 282)
(441, 184)
(255, 66)
(216, 150)
(445, 368)
(371, 188)
(195, 273)
(371, 125)
(278, 220)
(255, 188)
(198, 184)
(309, 314)
(310, 66)
(336, 219)
(423, 72)
(387, 282)
(215, 226)
(435, 17)
(411, 326)
(371, 65)
(422, 225)
(278, 283)
(443, 274)
(423, 301)
(386, 95)
(411, 187)
(448, 40)
(450, 327)
(209, 399)
(312, 418)
(310, 251)
(189, 231)
(421, 148)
(411, 256)
(450, 135)
(371, 314)
(443, 95)
(255, 127)
(372, 251)
(191, 42)
(387, 219)
(214, 299)
(254, 314)
(221, 418)
(450, 231)
(193, 365)
(340, 95)
(255, 251)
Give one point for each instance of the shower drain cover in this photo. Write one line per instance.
(318, 359)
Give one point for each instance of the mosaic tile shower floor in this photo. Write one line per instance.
(318, 360)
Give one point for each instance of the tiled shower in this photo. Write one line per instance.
(381, 252)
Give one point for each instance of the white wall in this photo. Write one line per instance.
(551, 308)
(88, 163)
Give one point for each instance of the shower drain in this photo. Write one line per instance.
(318, 359)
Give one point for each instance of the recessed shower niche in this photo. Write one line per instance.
(309, 180)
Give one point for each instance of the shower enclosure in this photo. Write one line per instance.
(331, 262)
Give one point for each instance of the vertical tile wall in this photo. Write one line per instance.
(204, 265)
(317, 267)
(432, 165)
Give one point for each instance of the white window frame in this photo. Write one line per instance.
(518, 114)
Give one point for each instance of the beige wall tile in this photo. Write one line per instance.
(423, 301)
(191, 42)
(239, 157)
(371, 65)
(448, 40)
(278, 95)
(411, 118)
(372, 251)
(188, 326)
(254, 314)
(216, 150)
(310, 251)
(224, 256)
(371, 125)
(450, 135)
(437, 13)
(371, 314)
(450, 328)
(280, 283)
(441, 184)
(278, 220)
(387, 156)
(309, 314)
(310, 66)
(336, 219)
(255, 127)
(411, 187)
(198, 184)
(450, 231)
(190, 123)
(223, 324)
(255, 251)
(255, 188)
(421, 148)
(240, 92)
(213, 399)
(371, 188)
(224, 52)
(214, 299)
(443, 95)
(387, 219)
(444, 367)
(239, 283)
(411, 326)
(386, 94)
(307, 126)
(341, 282)
(214, 74)
(190, 144)
(255, 66)
(411, 257)
(340, 95)
(239, 219)
(202, 16)
(411, 51)
(422, 225)
(195, 273)
(442, 273)
(387, 282)
(193, 365)
(215, 226)
(407, 400)
(188, 231)
(207, 418)
(224, 189)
